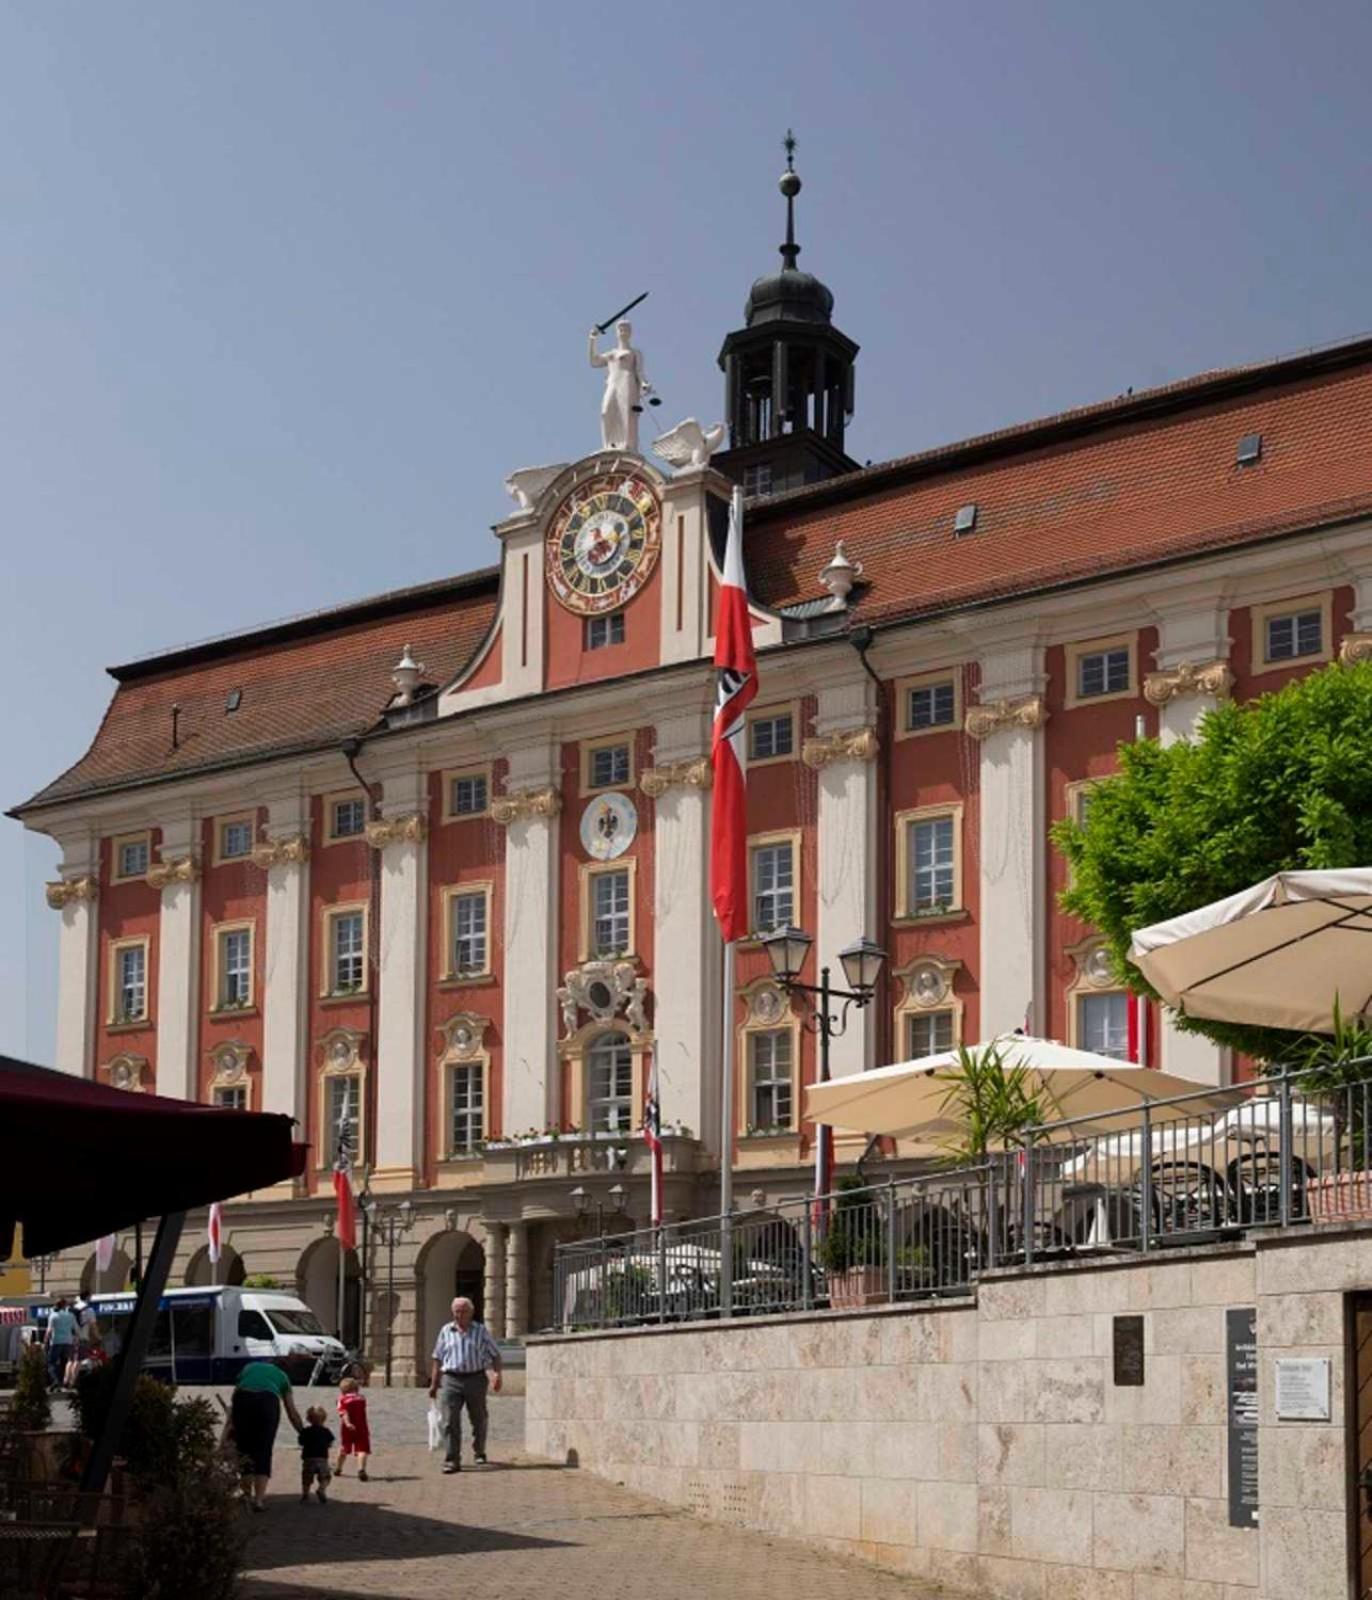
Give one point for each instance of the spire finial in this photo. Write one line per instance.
(790, 187)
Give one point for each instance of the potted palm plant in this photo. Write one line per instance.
(1334, 1070)
(853, 1249)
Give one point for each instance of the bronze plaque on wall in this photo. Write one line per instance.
(1128, 1352)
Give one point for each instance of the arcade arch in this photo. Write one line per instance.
(316, 1281)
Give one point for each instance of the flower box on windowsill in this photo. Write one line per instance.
(921, 919)
(244, 1010)
(466, 980)
(128, 1024)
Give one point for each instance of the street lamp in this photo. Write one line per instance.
(390, 1222)
(364, 1203)
(583, 1203)
(787, 950)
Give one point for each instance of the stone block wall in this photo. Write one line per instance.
(983, 1444)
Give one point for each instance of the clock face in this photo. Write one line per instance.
(603, 542)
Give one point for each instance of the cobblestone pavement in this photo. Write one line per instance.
(516, 1528)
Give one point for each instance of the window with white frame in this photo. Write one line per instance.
(468, 795)
(131, 858)
(610, 921)
(771, 737)
(469, 922)
(347, 963)
(610, 1078)
(348, 819)
(131, 983)
(928, 1032)
(774, 884)
(603, 631)
(933, 867)
(235, 967)
(931, 705)
(466, 1090)
(757, 479)
(230, 1096)
(609, 766)
(770, 1080)
(1103, 1023)
(342, 1108)
(1294, 634)
(235, 839)
(1102, 672)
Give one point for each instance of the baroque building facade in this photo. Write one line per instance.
(435, 864)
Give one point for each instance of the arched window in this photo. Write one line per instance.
(611, 1083)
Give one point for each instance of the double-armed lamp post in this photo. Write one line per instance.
(390, 1222)
(788, 949)
(584, 1204)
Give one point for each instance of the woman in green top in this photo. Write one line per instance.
(255, 1414)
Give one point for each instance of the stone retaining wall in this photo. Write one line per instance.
(984, 1444)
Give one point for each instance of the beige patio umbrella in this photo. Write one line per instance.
(907, 1100)
(1278, 955)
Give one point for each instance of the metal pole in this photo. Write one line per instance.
(342, 1259)
(891, 1238)
(1146, 1177)
(726, 1141)
(807, 1287)
(993, 1177)
(138, 1254)
(1026, 1218)
(390, 1295)
(1286, 1150)
(366, 1283)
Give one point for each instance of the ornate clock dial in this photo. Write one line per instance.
(603, 542)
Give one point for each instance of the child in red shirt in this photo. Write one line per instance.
(354, 1436)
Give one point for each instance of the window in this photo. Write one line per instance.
(468, 795)
(347, 819)
(468, 1089)
(231, 1096)
(602, 631)
(347, 965)
(235, 968)
(469, 933)
(130, 983)
(758, 479)
(927, 1033)
(343, 1107)
(253, 1325)
(611, 1072)
(1102, 672)
(933, 876)
(610, 901)
(235, 839)
(772, 737)
(131, 856)
(1296, 634)
(610, 766)
(932, 705)
(774, 880)
(770, 1084)
(1103, 1023)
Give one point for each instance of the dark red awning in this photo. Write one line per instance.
(79, 1159)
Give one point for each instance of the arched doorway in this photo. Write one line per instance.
(451, 1264)
(316, 1279)
(115, 1278)
(201, 1271)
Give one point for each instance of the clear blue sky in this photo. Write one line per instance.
(286, 289)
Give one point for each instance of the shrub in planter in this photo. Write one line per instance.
(853, 1249)
(32, 1409)
(149, 1440)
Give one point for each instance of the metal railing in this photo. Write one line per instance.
(1208, 1165)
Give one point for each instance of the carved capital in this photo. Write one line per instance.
(410, 829)
(519, 804)
(696, 773)
(853, 744)
(1212, 678)
(71, 891)
(1355, 647)
(1029, 711)
(180, 869)
(281, 852)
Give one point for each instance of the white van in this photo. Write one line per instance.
(210, 1335)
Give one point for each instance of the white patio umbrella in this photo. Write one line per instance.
(1278, 955)
(907, 1100)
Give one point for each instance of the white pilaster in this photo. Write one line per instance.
(1012, 843)
(75, 897)
(494, 1309)
(685, 561)
(528, 811)
(400, 836)
(521, 606)
(843, 750)
(687, 949)
(517, 1281)
(177, 872)
(285, 992)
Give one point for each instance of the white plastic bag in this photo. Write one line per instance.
(438, 1427)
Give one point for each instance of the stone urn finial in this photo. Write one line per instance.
(406, 674)
(839, 577)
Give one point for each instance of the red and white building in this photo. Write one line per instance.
(437, 861)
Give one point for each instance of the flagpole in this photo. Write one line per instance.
(726, 1139)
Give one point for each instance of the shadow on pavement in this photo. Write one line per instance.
(294, 1535)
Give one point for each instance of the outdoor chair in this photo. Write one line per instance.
(1189, 1198)
(1255, 1183)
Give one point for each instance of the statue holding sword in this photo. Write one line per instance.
(625, 383)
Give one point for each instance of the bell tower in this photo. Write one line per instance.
(788, 375)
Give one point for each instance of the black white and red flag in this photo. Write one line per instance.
(346, 1229)
(735, 689)
(652, 1137)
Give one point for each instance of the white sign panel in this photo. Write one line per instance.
(1303, 1389)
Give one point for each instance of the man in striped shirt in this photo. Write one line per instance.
(463, 1354)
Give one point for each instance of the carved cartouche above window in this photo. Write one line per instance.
(928, 980)
(518, 805)
(1092, 959)
(128, 1072)
(697, 773)
(341, 1049)
(409, 829)
(71, 891)
(1179, 682)
(853, 744)
(281, 852)
(179, 869)
(463, 1036)
(604, 989)
(1029, 712)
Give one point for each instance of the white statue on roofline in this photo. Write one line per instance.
(625, 387)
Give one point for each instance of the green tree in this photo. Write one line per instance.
(1278, 784)
(991, 1097)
